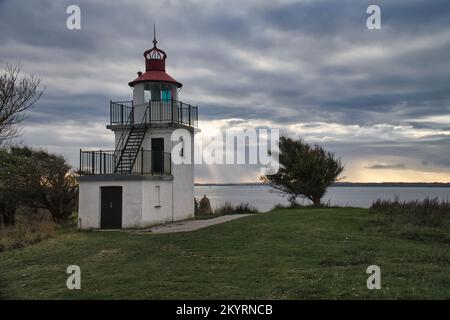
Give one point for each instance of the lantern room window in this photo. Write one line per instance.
(166, 92)
(157, 92)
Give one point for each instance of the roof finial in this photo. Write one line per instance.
(154, 53)
(154, 35)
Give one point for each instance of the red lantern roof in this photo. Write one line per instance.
(155, 68)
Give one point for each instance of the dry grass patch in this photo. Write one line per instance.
(25, 232)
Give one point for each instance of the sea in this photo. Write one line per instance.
(264, 197)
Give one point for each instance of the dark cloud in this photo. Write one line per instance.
(308, 61)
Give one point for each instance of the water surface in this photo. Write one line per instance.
(265, 198)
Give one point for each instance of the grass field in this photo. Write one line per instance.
(284, 254)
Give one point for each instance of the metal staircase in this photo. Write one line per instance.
(130, 150)
(130, 144)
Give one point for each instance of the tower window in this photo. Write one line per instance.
(157, 197)
(166, 93)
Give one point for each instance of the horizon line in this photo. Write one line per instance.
(339, 182)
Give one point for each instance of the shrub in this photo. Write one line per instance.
(74, 218)
(242, 208)
(226, 208)
(204, 206)
(429, 212)
(246, 208)
(196, 205)
(279, 206)
(296, 205)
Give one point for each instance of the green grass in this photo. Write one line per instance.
(284, 254)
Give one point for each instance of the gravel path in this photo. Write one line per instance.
(192, 225)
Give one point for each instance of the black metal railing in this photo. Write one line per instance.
(157, 111)
(105, 161)
(121, 112)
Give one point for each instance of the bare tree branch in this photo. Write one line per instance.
(17, 94)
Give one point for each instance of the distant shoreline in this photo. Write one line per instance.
(344, 184)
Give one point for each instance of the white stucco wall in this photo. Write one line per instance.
(151, 213)
(183, 176)
(183, 191)
(183, 188)
(90, 202)
(140, 206)
(138, 93)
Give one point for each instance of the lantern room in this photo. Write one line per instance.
(155, 84)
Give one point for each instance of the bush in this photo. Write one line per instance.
(429, 212)
(74, 218)
(204, 206)
(226, 208)
(296, 205)
(242, 208)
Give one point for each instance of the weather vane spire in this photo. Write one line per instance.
(154, 35)
(154, 53)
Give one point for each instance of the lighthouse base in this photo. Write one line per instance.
(130, 201)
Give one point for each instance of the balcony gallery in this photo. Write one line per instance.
(154, 111)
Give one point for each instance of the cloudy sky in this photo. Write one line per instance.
(379, 99)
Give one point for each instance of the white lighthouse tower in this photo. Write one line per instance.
(137, 184)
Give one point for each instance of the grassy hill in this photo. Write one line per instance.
(293, 254)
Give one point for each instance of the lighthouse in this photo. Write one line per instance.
(136, 184)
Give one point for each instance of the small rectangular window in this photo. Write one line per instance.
(157, 197)
(182, 147)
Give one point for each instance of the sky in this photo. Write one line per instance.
(378, 99)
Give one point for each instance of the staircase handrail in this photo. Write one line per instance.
(122, 139)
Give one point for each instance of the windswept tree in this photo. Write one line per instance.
(17, 94)
(305, 171)
(59, 186)
(12, 183)
(36, 179)
(51, 184)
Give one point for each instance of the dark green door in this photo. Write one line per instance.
(111, 208)
(158, 155)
